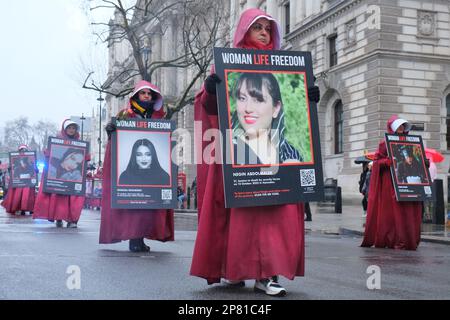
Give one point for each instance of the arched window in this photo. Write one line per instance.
(447, 104)
(338, 128)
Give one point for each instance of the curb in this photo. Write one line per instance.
(423, 238)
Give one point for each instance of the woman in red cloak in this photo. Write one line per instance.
(134, 224)
(60, 207)
(20, 199)
(390, 223)
(236, 244)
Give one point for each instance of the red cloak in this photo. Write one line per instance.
(53, 206)
(19, 199)
(390, 223)
(124, 224)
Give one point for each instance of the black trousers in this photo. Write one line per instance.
(307, 210)
(364, 203)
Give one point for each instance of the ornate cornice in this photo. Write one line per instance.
(322, 19)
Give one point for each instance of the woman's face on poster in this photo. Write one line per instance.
(72, 161)
(143, 157)
(256, 116)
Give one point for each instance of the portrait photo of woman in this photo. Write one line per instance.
(258, 122)
(69, 167)
(144, 167)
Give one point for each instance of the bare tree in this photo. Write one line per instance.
(201, 25)
(42, 130)
(17, 132)
(20, 131)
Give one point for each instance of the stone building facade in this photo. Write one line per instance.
(372, 59)
(160, 44)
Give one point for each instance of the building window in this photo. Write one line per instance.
(447, 104)
(287, 16)
(333, 50)
(338, 128)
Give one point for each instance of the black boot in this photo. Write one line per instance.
(144, 247)
(135, 245)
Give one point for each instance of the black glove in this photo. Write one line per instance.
(210, 83)
(314, 92)
(110, 128)
(427, 163)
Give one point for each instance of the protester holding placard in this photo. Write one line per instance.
(258, 122)
(390, 223)
(21, 200)
(237, 244)
(134, 224)
(59, 207)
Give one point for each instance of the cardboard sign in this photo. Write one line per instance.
(269, 129)
(143, 173)
(410, 175)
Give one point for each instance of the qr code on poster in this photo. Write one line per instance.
(307, 177)
(78, 187)
(166, 194)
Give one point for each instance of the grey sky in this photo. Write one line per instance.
(47, 49)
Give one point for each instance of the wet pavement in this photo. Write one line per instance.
(326, 221)
(351, 221)
(36, 256)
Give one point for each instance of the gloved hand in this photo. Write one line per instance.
(210, 83)
(427, 163)
(314, 92)
(110, 128)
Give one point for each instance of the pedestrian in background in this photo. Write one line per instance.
(366, 185)
(362, 179)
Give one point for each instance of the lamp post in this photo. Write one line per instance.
(100, 99)
(82, 121)
(146, 51)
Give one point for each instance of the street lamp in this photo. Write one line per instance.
(82, 121)
(100, 99)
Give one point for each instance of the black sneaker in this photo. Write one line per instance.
(71, 225)
(270, 287)
(59, 223)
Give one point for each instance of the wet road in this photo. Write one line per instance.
(37, 261)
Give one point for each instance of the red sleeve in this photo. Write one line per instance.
(208, 101)
(159, 114)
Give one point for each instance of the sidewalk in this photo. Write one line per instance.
(352, 222)
(324, 220)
